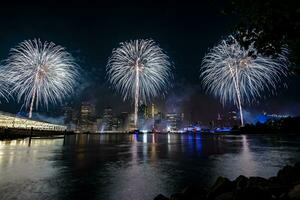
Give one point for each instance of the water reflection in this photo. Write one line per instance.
(26, 172)
(114, 166)
(145, 137)
(247, 163)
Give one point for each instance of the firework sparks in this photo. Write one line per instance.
(139, 70)
(40, 73)
(4, 89)
(235, 74)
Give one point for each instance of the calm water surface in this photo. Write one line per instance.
(135, 167)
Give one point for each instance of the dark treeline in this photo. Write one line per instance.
(283, 125)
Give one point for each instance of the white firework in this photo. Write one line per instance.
(239, 75)
(139, 70)
(4, 90)
(40, 73)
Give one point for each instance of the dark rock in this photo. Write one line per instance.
(253, 188)
(294, 194)
(273, 180)
(225, 196)
(287, 175)
(257, 181)
(284, 196)
(277, 189)
(297, 173)
(253, 192)
(284, 186)
(241, 182)
(194, 192)
(177, 196)
(297, 166)
(222, 185)
(161, 197)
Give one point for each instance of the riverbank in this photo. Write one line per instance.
(284, 186)
(13, 133)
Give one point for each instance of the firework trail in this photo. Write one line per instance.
(40, 73)
(4, 89)
(235, 74)
(139, 70)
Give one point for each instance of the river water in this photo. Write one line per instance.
(135, 167)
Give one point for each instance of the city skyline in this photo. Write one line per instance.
(150, 118)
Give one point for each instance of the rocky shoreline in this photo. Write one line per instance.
(284, 186)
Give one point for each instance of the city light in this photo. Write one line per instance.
(10, 121)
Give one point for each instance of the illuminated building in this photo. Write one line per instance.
(8, 120)
(116, 124)
(86, 122)
(153, 115)
(142, 115)
(143, 111)
(220, 120)
(124, 121)
(174, 121)
(107, 118)
(151, 111)
(98, 124)
(232, 118)
(131, 122)
(70, 118)
(149, 117)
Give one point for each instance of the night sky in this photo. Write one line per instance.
(90, 31)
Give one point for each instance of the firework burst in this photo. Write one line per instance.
(40, 73)
(139, 70)
(239, 75)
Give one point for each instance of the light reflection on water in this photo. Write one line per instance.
(134, 166)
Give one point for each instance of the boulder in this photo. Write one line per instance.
(241, 182)
(287, 175)
(294, 194)
(257, 181)
(177, 196)
(252, 193)
(297, 172)
(276, 188)
(194, 192)
(161, 197)
(273, 180)
(222, 185)
(297, 166)
(225, 196)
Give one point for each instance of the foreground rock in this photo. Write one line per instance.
(161, 197)
(284, 186)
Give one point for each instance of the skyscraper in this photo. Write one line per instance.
(87, 115)
(68, 117)
(151, 111)
(124, 121)
(174, 121)
(142, 115)
(107, 119)
(232, 118)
